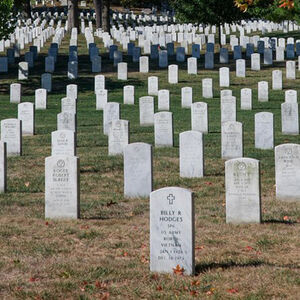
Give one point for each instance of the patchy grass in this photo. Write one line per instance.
(106, 253)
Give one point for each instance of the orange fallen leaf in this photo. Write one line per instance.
(178, 270)
(286, 218)
(125, 254)
(27, 184)
(209, 292)
(84, 227)
(232, 291)
(208, 183)
(159, 288)
(33, 279)
(249, 248)
(199, 248)
(144, 259)
(196, 282)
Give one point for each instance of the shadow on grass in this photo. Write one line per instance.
(273, 221)
(203, 267)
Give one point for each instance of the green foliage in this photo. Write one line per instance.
(139, 3)
(6, 7)
(129, 3)
(214, 12)
(270, 10)
(297, 10)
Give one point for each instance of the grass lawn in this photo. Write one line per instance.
(105, 254)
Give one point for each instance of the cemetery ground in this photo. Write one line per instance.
(105, 254)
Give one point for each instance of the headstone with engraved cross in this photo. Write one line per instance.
(172, 230)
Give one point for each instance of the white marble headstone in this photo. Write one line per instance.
(163, 129)
(26, 115)
(264, 130)
(199, 117)
(232, 140)
(62, 189)
(118, 137)
(287, 172)
(242, 184)
(63, 142)
(11, 134)
(137, 170)
(191, 154)
(172, 230)
(146, 110)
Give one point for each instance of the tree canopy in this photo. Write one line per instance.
(6, 14)
(273, 10)
(214, 12)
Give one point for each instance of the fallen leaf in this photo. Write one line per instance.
(232, 291)
(286, 218)
(193, 293)
(144, 259)
(27, 184)
(159, 288)
(208, 183)
(125, 254)
(46, 223)
(209, 292)
(196, 282)
(33, 279)
(178, 270)
(84, 227)
(249, 248)
(199, 248)
(154, 277)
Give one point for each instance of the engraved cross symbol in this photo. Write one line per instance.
(171, 199)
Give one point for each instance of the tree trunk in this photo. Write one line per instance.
(28, 9)
(105, 16)
(98, 10)
(219, 28)
(73, 20)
